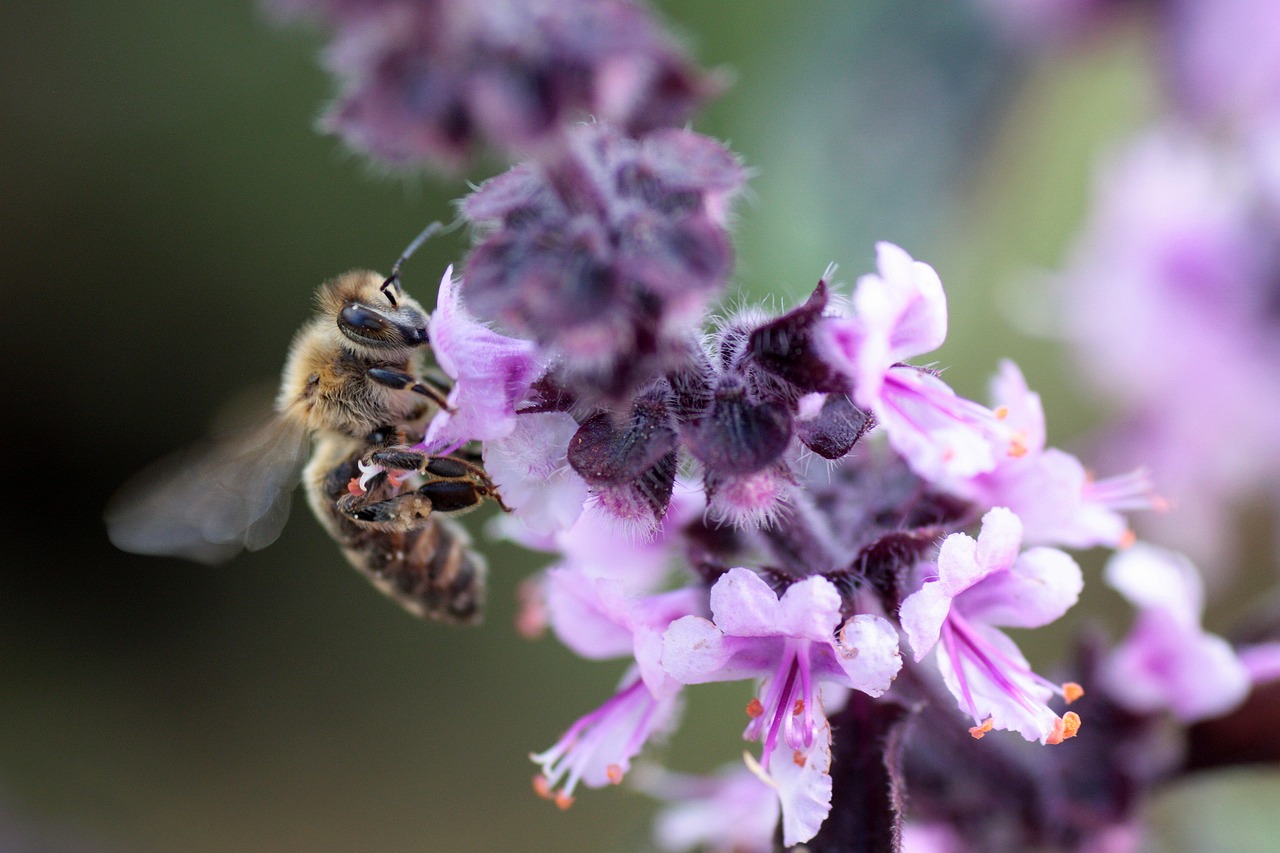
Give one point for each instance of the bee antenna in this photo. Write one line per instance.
(393, 280)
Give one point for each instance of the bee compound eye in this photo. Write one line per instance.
(361, 319)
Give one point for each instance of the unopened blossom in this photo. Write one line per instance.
(430, 81)
(900, 312)
(1168, 661)
(980, 586)
(607, 252)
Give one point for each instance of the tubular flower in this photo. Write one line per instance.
(901, 312)
(1168, 662)
(598, 619)
(792, 644)
(979, 586)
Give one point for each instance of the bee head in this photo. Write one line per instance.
(372, 313)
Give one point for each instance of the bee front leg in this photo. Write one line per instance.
(401, 381)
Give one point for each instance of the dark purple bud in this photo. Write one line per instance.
(643, 500)
(737, 435)
(606, 453)
(785, 347)
(605, 255)
(836, 429)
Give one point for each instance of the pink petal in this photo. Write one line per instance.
(868, 653)
(922, 615)
(809, 609)
(1155, 578)
(743, 605)
(1043, 584)
(803, 780)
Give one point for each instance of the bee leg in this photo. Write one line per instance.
(406, 382)
(450, 497)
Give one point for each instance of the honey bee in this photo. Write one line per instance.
(351, 395)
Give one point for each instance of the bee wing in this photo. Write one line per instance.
(208, 502)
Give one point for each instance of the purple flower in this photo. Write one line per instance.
(607, 253)
(1224, 60)
(530, 468)
(599, 619)
(492, 373)
(1048, 489)
(792, 643)
(1168, 662)
(733, 811)
(899, 313)
(1170, 299)
(979, 587)
(428, 80)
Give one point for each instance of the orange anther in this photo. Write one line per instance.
(979, 731)
(614, 772)
(1070, 724)
(563, 800)
(799, 759)
(1127, 539)
(542, 787)
(1001, 412)
(1072, 691)
(799, 708)
(755, 708)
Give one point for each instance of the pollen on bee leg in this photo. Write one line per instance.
(755, 708)
(614, 774)
(979, 731)
(1071, 691)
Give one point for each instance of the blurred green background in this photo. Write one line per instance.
(168, 212)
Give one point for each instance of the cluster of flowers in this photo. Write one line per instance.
(1172, 293)
(781, 499)
(774, 498)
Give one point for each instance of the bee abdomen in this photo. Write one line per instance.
(430, 570)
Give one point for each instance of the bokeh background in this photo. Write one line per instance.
(168, 210)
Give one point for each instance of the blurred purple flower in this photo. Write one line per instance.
(733, 811)
(1168, 662)
(427, 80)
(1171, 300)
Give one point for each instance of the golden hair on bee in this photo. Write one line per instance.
(351, 394)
